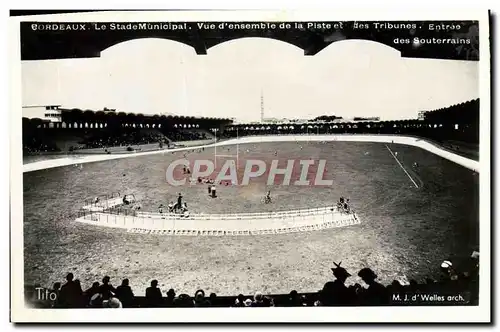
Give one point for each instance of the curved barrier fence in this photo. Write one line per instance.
(242, 216)
(222, 224)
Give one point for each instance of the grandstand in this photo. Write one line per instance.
(83, 130)
(456, 127)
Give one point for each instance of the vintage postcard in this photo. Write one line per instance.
(250, 166)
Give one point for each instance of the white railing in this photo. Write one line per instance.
(288, 221)
(283, 230)
(239, 216)
(104, 205)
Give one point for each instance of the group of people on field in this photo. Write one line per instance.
(343, 205)
(178, 208)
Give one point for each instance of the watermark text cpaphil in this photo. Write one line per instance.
(291, 172)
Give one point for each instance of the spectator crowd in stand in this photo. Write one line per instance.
(105, 139)
(186, 135)
(461, 286)
(459, 123)
(36, 145)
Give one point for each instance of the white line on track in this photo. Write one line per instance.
(416, 186)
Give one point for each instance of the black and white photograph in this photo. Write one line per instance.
(236, 166)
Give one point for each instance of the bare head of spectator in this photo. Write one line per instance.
(106, 289)
(125, 294)
(293, 298)
(396, 286)
(258, 300)
(199, 298)
(240, 301)
(95, 286)
(69, 277)
(413, 285)
(328, 291)
(113, 303)
(171, 294)
(153, 294)
(106, 280)
(96, 301)
(267, 301)
(446, 268)
(184, 301)
(213, 298)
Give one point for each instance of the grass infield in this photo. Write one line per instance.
(406, 231)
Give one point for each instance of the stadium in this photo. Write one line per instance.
(402, 209)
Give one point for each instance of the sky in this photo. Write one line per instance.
(348, 78)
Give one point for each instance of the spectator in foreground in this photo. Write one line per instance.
(169, 301)
(106, 289)
(184, 301)
(79, 297)
(124, 294)
(153, 295)
(92, 290)
(375, 294)
(199, 299)
(240, 301)
(258, 300)
(95, 301)
(112, 303)
(70, 293)
(213, 299)
(395, 288)
(293, 299)
(268, 301)
(336, 292)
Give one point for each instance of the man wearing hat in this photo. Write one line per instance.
(375, 294)
(335, 292)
